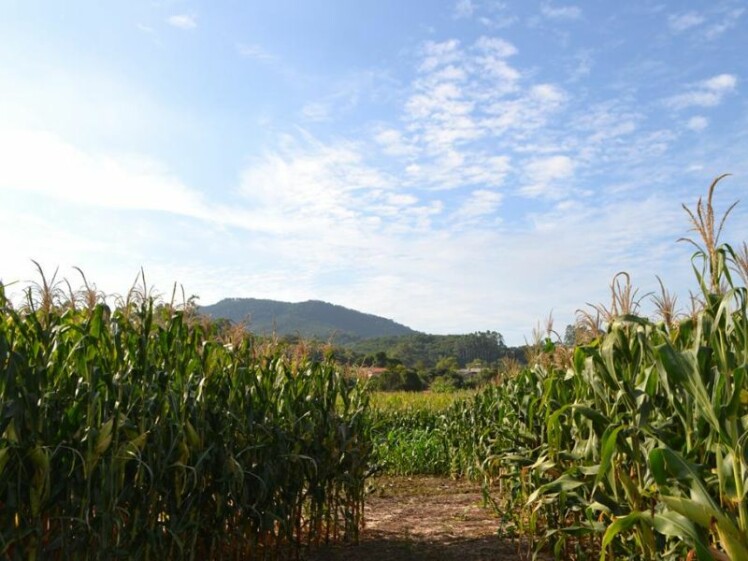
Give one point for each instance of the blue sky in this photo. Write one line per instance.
(453, 165)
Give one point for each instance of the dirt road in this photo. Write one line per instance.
(423, 518)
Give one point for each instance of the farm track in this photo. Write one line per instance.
(419, 518)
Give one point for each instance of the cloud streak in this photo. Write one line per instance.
(707, 93)
(682, 22)
(555, 12)
(185, 22)
(255, 52)
(464, 9)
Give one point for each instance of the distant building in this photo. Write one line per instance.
(368, 371)
(468, 373)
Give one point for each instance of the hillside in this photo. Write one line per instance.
(312, 319)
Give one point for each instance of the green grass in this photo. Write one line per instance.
(392, 402)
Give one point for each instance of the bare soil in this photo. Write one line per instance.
(419, 518)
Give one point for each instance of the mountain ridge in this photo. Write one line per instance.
(309, 319)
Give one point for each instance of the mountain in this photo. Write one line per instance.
(311, 319)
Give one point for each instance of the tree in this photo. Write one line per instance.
(446, 365)
(398, 378)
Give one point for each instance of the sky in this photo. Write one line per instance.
(456, 166)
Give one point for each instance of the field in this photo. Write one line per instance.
(140, 431)
(632, 445)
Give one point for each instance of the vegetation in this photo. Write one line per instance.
(424, 351)
(633, 445)
(413, 361)
(310, 320)
(140, 433)
(411, 432)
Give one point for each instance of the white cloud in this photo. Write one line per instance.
(481, 202)
(462, 98)
(255, 52)
(707, 93)
(182, 21)
(498, 22)
(697, 123)
(90, 105)
(316, 111)
(493, 51)
(548, 94)
(603, 129)
(721, 83)
(526, 113)
(464, 9)
(327, 191)
(496, 46)
(341, 97)
(547, 176)
(401, 199)
(393, 143)
(41, 162)
(561, 12)
(729, 21)
(583, 62)
(682, 22)
(314, 211)
(439, 54)
(709, 26)
(145, 28)
(475, 265)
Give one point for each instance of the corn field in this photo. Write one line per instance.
(633, 445)
(138, 433)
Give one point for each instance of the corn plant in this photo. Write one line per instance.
(634, 444)
(135, 432)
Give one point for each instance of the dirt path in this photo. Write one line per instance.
(426, 518)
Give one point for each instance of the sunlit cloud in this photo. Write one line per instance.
(186, 22)
(725, 23)
(707, 93)
(316, 111)
(697, 123)
(256, 52)
(393, 143)
(547, 177)
(481, 202)
(464, 9)
(145, 28)
(687, 20)
(556, 12)
(70, 174)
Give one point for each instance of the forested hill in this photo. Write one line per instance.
(311, 319)
(426, 350)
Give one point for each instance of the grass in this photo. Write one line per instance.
(437, 402)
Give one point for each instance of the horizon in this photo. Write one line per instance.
(455, 166)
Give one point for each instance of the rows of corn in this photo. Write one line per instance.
(136, 432)
(633, 445)
(413, 432)
(636, 444)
